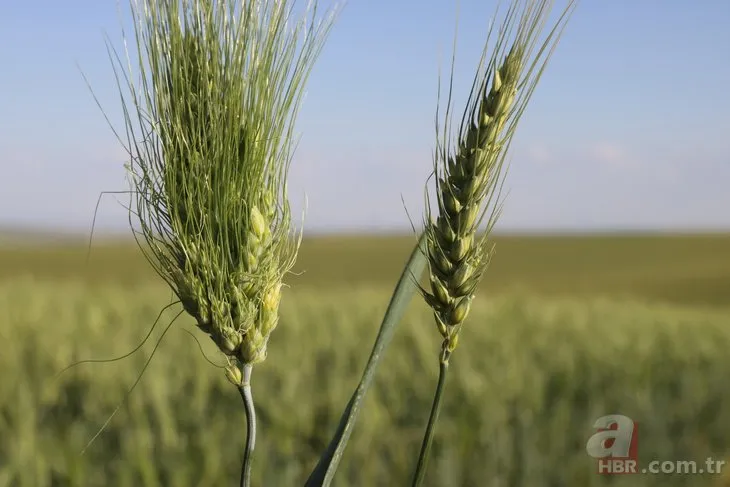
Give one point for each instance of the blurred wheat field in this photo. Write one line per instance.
(682, 269)
(565, 330)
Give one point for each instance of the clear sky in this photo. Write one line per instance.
(629, 127)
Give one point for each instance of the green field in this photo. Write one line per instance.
(565, 329)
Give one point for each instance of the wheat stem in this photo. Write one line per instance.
(245, 389)
(433, 418)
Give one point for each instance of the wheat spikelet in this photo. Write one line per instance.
(468, 178)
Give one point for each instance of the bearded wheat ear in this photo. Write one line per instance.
(220, 90)
(469, 176)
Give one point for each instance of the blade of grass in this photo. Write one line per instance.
(324, 472)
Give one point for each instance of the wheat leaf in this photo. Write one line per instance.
(324, 472)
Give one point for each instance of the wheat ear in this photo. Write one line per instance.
(469, 177)
(210, 140)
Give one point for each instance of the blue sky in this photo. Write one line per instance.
(629, 127)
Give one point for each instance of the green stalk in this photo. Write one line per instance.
(433, 418)
(247, 396)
